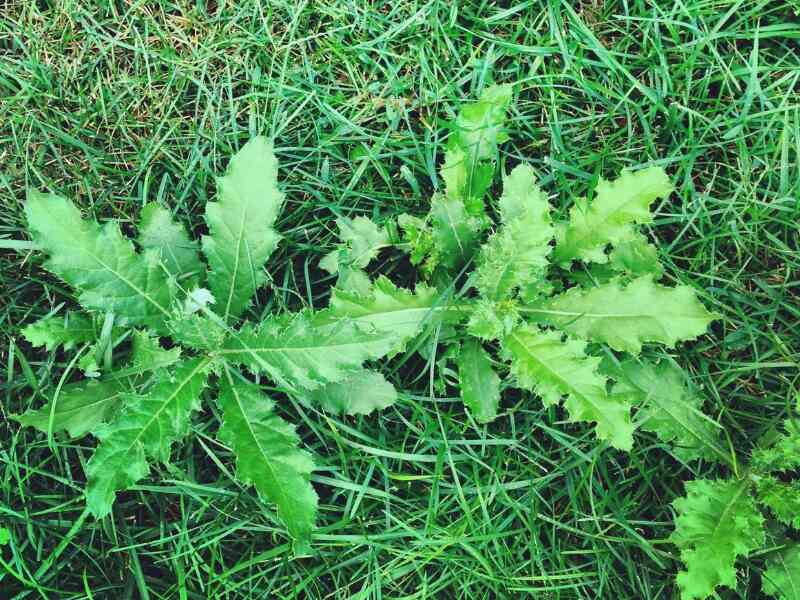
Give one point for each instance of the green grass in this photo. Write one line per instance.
(119, 103)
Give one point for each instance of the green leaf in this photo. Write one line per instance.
(782, 498)
(393, 309)
(454, 232)
(360, 394)
(241, 224)
(148, 355)
(783, 454)
(516, 255)
(551, 367)
(626, 317)
(198, 331)
(178, 253)
(608, 220)
(479, 127)
(99, 263)
(717, 522)
(466, 180)
(417, 234)
(267, 456)
(782, 577)
(146, 428)
(361, 241)
(307, 350)
(668, 407)
(66, 330)
(493, 320)
(480, 385)
(636, 257)
(79, 407)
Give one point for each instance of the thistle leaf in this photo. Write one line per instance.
(608, 220)
(361, 241)
(455, 233)
(178, 253)
(782, 498)
(626, 317)
(551, 367)
(516, 255)
(79, 407)
(146, 428)
(393, 309)
(305, 350)
(480, 385)
(717, 522)
(479, 127)
(99, 263)
(360, 394)
(68, 331)
(668, 407)
(636, 257)
(267, 456)
(241, 224)
(782, 577)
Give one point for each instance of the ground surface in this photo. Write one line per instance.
(117, 103)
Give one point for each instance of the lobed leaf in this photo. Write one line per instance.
(361, 393)
(480, 385)
(66, 330)
(99, 263)
(668, 407)
(393, 309)
(516, 255)
(241, 224)
(78, 408)
(782, 577)
(626, 317)
(177, 252)
(267, 456)
(146, 428)
(717, 522)
(361, 241)
(609, 218)
(544, 363)
(307, 350)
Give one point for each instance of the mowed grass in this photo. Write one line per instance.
(115, 104)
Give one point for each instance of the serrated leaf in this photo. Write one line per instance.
(99, 262)
(360, 394)
(466, 180)
(608, 220)
(146, 428)
(198, 331)
(516, 255)
(148, 355)
(553, 368)
(79, 407)
(782, 498)
(480, 385)
(267, 456)
(417, 234)
(307, 350)
(178, 253)
(636, 257)
(66, 330)
(626, 317)
(492, 320)
(782, 577)
(454, 232)
(668, 407)
(241, 224)
(361, 241)
(393, 309)
(783, 454)
(479, 127)
(717, 522)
